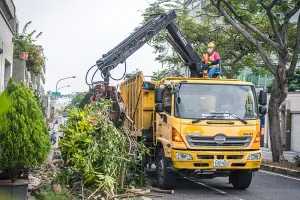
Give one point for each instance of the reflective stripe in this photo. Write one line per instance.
(210, 58)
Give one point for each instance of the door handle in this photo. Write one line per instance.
(160, 124)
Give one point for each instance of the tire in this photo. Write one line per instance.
(165, 179)
(241, 180)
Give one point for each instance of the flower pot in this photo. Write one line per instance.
(13, 191)
(23, 55)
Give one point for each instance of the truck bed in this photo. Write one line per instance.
(138, 96)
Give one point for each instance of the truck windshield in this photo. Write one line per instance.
(199, 101)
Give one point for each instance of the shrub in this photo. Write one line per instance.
(297, 160)
(24, 139)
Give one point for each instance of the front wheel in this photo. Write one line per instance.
(165, 179)
(241, 179)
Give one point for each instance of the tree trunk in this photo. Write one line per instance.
(278, 95)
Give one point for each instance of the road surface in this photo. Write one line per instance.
(265, 186)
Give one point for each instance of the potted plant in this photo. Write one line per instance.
(21, 47)
(35, 60)
(24, 140)
(24, 45)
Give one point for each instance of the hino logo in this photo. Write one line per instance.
(220, 139)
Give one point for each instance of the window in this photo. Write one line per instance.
(201, 100)
(167, 101)
(7, 73)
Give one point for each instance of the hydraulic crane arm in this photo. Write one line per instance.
(141, 36)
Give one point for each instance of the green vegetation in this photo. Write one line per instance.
(24, 139)
(236, 51)
(24, 42)
(247, 34)
(294, 81)
(96, 151)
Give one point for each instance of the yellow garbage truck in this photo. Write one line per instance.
(197, 127)
(194, 125)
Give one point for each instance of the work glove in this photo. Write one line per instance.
(207, 65)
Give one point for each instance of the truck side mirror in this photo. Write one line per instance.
(159, 95)
(159, 108)
(263, 97)
(262, 110)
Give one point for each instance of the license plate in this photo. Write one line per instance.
(220, 163)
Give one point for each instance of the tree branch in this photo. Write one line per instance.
(272, 4)
(252, 28)
(236, 60)
(255, 42)
(271, 19)
(207, 15)
(296, 50)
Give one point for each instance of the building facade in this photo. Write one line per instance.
(40, 79)
(8, 28)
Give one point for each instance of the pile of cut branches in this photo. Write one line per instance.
(104, 159)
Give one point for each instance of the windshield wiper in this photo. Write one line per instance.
(199, 120)
(233, 115)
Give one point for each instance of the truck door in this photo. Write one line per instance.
(163, 128)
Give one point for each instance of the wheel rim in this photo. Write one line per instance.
(160, 171)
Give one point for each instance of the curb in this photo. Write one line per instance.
(281, 170)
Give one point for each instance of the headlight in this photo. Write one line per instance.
(255, 156)
(183, 156)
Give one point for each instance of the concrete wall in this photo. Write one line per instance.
(292, 103)
(19, 71)
(6, 58)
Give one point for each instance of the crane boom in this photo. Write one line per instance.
(141, 36)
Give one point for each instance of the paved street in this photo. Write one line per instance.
(265, 186)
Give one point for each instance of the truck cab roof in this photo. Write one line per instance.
(170, 80)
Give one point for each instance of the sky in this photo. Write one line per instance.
(76, 33)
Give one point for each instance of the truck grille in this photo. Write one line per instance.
(210, 142)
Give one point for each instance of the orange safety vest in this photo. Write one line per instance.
(210, 58)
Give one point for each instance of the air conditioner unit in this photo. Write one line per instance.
(278, 14)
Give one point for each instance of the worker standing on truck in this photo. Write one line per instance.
(211, 60)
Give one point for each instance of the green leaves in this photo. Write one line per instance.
(5, 106)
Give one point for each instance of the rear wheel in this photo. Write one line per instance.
(165, 179)
(241, 179)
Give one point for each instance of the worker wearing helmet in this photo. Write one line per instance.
(211, 60)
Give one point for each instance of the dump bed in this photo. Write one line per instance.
(138, 96)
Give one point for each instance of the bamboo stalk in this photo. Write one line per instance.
(161, 191)
(82, 189)
(122, 178)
